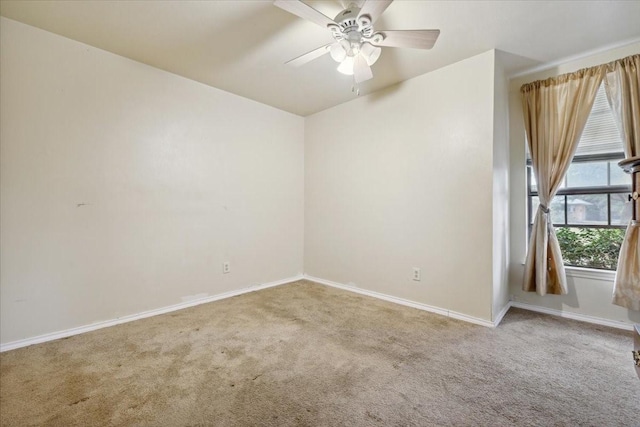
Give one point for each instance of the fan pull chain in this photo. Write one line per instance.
(355, 89)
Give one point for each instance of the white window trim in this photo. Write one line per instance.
(590, 273)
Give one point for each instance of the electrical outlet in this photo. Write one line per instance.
(226, 267)
(416, 274)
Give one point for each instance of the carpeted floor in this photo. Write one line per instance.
(308, 355)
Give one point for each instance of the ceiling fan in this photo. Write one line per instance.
(357, 45)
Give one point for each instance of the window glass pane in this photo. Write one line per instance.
(587, 209)
(620, 209)
(587, 174)
(534, 184)
(535, 202)
(557, 209)
(590, 247)
(618, 176)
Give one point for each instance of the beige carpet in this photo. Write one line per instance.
(307, 355)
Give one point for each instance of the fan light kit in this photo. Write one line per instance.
(357, 46)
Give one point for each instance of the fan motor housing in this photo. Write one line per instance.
(351, 27)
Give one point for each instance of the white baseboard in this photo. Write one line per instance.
(574, 316)
(501, 314)
(149, 313)
(402, 301)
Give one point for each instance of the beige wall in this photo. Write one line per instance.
(500, 186)
(403, 178)
(587, 296)
(124, 188)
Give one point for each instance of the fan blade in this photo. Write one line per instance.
(417, 39)
(374, 8)
(310, 56)
(361, 70)
(304, 11)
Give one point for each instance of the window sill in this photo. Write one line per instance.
(590, 273)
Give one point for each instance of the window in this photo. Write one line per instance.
(590, 210)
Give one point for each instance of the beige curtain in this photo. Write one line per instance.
(555, 113)
(622, 84)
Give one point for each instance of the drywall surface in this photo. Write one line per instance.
(124, 188)
(500, 187)
(587, 296)
(403, 178)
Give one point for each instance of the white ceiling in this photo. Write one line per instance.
(241, 46)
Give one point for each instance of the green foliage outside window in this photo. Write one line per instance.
(590, 247)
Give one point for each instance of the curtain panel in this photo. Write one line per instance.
(555, 113)
(622, 85)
